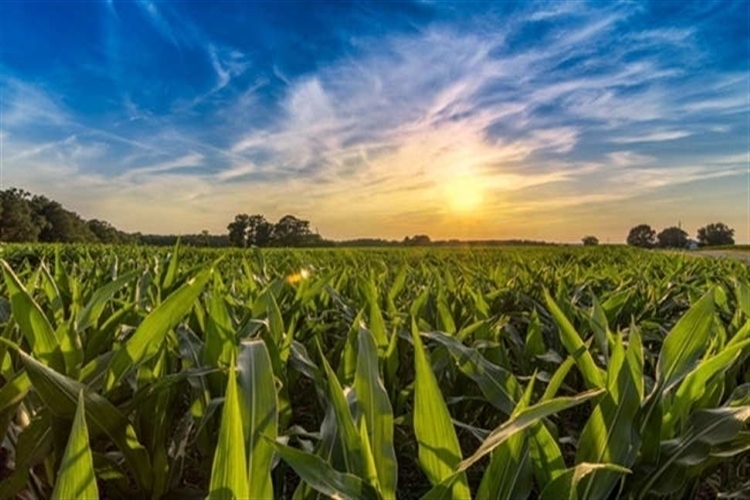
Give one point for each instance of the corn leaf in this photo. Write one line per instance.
(34, 325)
(439, 450)
(524, 419)
(319, 474)
(376, 408)
(229, 478)
(76, 477)
(150, 334)
(60, 394)
(575, 346)
(259, 414)
(685, 343)
(90, 314)
(565, 486)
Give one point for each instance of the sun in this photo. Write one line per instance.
(464, 194)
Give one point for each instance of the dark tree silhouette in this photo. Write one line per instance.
(417, 240)
(590, 241)
(672, 237)
(260, 232)
(642, 236)
(291, 231)
(716, 234)
(238, 230)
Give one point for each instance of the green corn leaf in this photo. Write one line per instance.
(377, 325)
(600, 326)
(259, 414)
(90, 314)
(60, 394)
(54, 297)
(319, 474)
(348, 433)
(565, 486)
(546, 458)
(498, 385)
(275, 321)
(439, 450)
(707, 428)
(219, 338)
(575, 346)
(76, 477)
(348, 365)
(557, 379)
(443, 490)
(61, 277)
(524, 419)
(14, 391)
(395, 290)
(693, 387)
(369, 470)
(509, 474)
(229, 478)
(150, 334)
(376, 408)
(685, 343)
(609, 435)
(171, 275)
(534, 345)
(34, 325)
(445, 317)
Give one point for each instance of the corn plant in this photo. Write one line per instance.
(132, 372)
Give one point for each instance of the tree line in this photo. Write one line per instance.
(255, 230)
(715, 234)
(30, 218)
(35, 218)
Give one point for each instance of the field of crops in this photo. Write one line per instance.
(423, 373)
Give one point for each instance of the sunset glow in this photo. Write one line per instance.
(541, 119)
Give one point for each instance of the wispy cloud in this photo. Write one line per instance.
(544, 110)
(25, 104)
(227, 64)
(655, 136)
(158, 21)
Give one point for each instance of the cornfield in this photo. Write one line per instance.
(129, 372)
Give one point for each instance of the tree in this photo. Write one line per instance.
(17, 222)
(238, 230)
(642, 236)
(418, 240)
(715, 234)
(291, 231)
(61, 224)
(259, 231)
(103, 231)
(672, 237)
(590, 241)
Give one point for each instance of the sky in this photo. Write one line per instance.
(471, 120)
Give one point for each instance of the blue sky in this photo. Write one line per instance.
(545, 120)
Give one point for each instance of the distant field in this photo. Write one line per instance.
(734, 248)
(741, 253)
(549, 372)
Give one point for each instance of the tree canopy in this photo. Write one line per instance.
(642, 236)
(27, 218)
(716, 234)
(254, 230)
(590, 241)
(672, 237)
